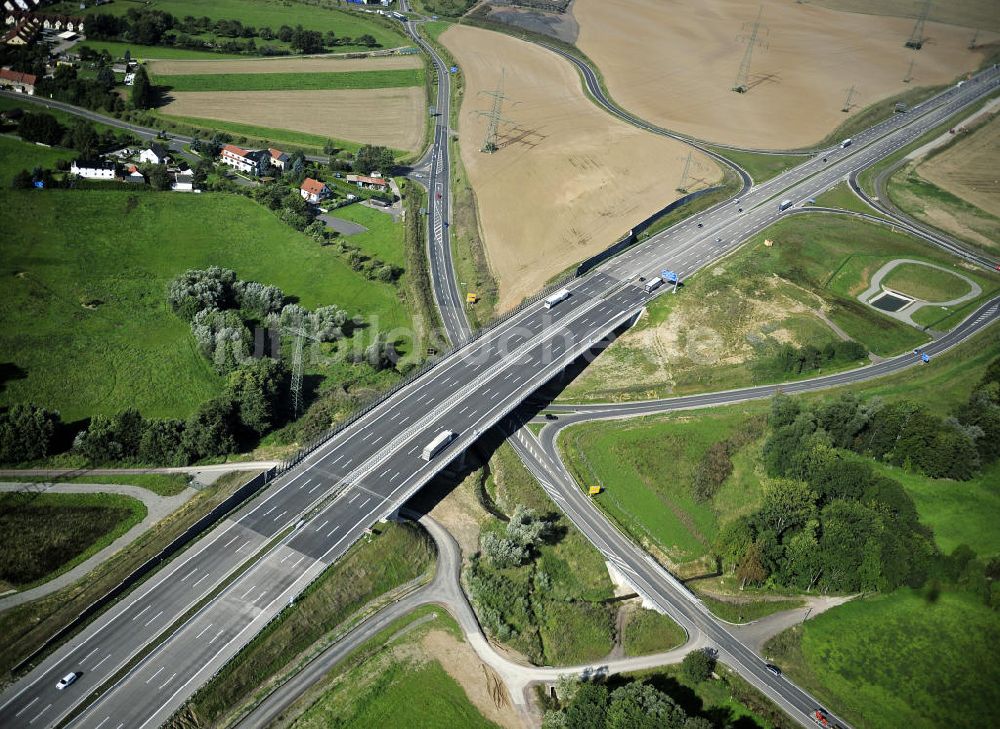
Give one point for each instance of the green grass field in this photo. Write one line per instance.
(392, 681)
(121, 249)
(384, 237)
(762, 167)
(929, 284)
(960, 512)
(841, 196)
(371, 568)
(647, 631)
(43, 535)
(16, 155)
(161, 484)
(897, 660)
(293, 81)
(273, 13)
(646, 467)
(144, 53)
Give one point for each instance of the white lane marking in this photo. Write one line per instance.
(325, 522)
(216, 637)
(356, 495)
(158, 671)
(100, 662)
(281, 515)
(299, 560)
(26, 707)
(84, 659)
(235, 537)
(162, 685)
(203, 577)
(313, 488)
(270, 510)
(140, 612)
(241, 548)
(189, 574)
(203, 631)
(40, 713)
(102, 723)
(152, 619)
(332, 531)
(244, 595)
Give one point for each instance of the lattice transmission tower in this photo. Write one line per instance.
(755, 36)
(849, 101)
(300, 339)
(916, 41)
(494, 116)
(682, 186)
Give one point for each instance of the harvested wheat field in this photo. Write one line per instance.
(970, 13)
(389, 117)
(674, 62)
(284, 65)
(970, 169)
(569, 179)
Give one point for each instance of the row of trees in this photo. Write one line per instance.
(80, 135)
(155, 27)
(789, 359)
(96, 93)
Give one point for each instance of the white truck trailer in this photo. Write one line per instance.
(438, 444)
(553, 299)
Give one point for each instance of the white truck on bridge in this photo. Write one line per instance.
(553, 299)
(437, 445)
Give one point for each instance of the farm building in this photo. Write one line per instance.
(22, 82)
(94, 169)
(313, 190)
(369, 183)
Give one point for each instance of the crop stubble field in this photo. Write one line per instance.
(674, 63)
(393, 117)
(577, 178)
(971, 168)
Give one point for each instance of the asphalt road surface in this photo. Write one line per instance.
(308, 518)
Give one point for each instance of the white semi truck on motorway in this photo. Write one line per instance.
(437, 445)
(653, 284)
(784, 205)
(553, 299)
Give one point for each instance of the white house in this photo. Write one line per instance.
(278, 158)
(155, 154)
(252, 161)
(183, 182)
(94, 169)
(313, 190)
(133, 175)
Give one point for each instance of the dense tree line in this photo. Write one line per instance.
(26, 432)
(158, 28)
(829, 520)
(789, 359)
(635, 705)
(97, 93)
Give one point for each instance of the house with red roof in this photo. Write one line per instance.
(251, 161)
(22, 82)
(370, 183)
(278, 158)
(313, 190)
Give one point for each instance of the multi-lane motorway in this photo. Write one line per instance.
(310, 516)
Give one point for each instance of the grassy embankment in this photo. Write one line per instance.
(397, 679)
(145, 53)
(761, 167)
(929, 284)
(467, 250)
(396, 555)
(161, 484)
(317, 81)
(16, 155)
(28, 626)
(260, 13)
(841, 196)
(723, 328)
(101, 276)
(44, 535)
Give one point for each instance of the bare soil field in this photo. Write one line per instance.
(569, 179)
(982, 14)
(283, 65)
(674, 62)
(970, 169)
(389, 117)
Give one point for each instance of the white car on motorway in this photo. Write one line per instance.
(67, 680)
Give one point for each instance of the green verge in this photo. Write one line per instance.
(761, 167)
(101, 276)
(929, 284)
(17, 155)
(146, 53)
(385, 79)
(841, 196)
(391, 681)
(647, 631)
(897, 660)
(63, 117)
(45, 535)
(398, 554)
(28, 626)
(161, 484)
(746, 611)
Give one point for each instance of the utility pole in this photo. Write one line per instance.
(755, 37)
(972, 43)
(848, 102)
(682, 185)
(491, 144)
(300, 338)
(909, 74)
(916, 41)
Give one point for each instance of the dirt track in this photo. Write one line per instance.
(390, 117)
(569, 179)
(674, 62)
(283, 65)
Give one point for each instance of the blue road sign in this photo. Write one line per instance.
(669, 276)
(453, 69)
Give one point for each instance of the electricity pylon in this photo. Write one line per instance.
(916, 41)
(682, 185)
(300, 339)
(849, 101)
(755, 38)
(494, 116)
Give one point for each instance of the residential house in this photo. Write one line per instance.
(313, 190)
(155, 154)
(278, 158)
(94, 169)
(183, 182)
(133, 175)
(252, 161)
(22, 82)
(23, 33)
(370, 183)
